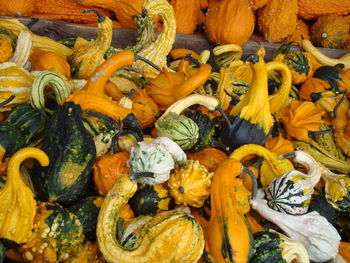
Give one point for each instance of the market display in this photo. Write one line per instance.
(150, 153)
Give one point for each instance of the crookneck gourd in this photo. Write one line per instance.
(156, 51)
(67, 142)
(17, 201)
(86, 58)
(170, 236)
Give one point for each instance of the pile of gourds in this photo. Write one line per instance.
(326, 23)
(154, 154)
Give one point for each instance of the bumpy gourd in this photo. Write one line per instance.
(191, 184)
(14, 80)
(171, 236)
(312, 9)
(157, 51)
(17, 199)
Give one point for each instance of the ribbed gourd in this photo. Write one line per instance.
(14, 80)
(291, 192)
(17, 199)
(190, 185)
(23, 48)
(157, 51)
(170, 236)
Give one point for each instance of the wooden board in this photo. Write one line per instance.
(123, 37)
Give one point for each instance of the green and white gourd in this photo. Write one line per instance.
(152, 162)
(291, 192)
(60, 86)
(273, 247)
(179, 128)
(23, 48)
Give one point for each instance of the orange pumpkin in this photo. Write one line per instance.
(186, 15)
(209, 157)
(230, 22)
(16, 8)
(302, 31)
(107, 169)
(47, 60)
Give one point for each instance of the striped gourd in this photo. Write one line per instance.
(291, 192)
(157, 51)
(14, 80)
(60, 86)
(271, 246)
(23, 48)
(179, 128)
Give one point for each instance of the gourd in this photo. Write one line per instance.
(48, 60)
(302, 31)
(209, 157)
(86, 58)
(124, 10)
(14, 80)
(186, 15)
(60, 86)
(318, 236)
(222, 21)
(88, 253)
(190, 185)
(250, 120)
(256, 4)
(57, 235)
(150, 199)
(86, 211)
(277, 19)
(179, 128)
(312, 9)
(335, 75)
(23, 48)
(20, 8)
(66, 141)
(228, 237)
(17, 200)
(312, 88)
(151, 163)
(157, 51)
(331, 31)
(292, 191)
(170, 236)
(107, 169)
(67, 10)
(273, 246)
(301, 119)
(6, 50)
(279, 145)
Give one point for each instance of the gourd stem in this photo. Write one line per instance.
(7, 101)
(336, 107)
(101, 18)
(220, 145)
(135, 176)
(137, 57)
(100, 115)
(314, 133)
(131, 93)
(254, 181)
(189, 57)
(254, 58)
(223, 113)
(287, 155)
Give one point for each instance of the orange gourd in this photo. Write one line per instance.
(302, 31)
(344, 251)
(256, 4)
(107, 169)
(312, 9)
(277, 19)
(330, 31)
(144, 108)
(48, 60)
(230, 22)
(177, 53)
(16, 8)
(112, 90)
(186, 15)
(209, 157)
(6, 51)
(313, 86)
(279, 145)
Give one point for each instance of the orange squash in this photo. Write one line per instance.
(186, 15)
(48, 60)
(313, 86)
(330, 31)
(279, 145)
(312, 9)
(5, 50)
(302, 31)
(16, 8)
(277, 19)
(107, 169)
(230, 22)
(209, 157)
(256, 4)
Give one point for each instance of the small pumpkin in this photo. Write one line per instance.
(221, 22)
(107, 169)
(6, 50)
(150, 199)
(190, 185)
(46, 60)
(209, 157)
(331, 31)
(186, 14)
